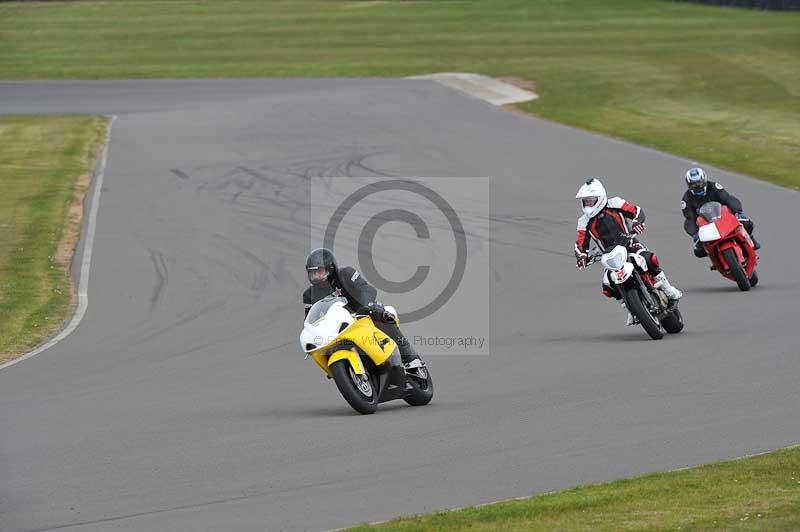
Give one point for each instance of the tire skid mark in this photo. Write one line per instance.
(256, 281)
(162, 277)
(179, 173)
(183, 319)
(536, 226)
(339, 166)
(278, 184)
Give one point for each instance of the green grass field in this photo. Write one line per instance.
(718, 85)
(759, 494)
(41, 161)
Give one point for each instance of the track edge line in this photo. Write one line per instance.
(86, 258)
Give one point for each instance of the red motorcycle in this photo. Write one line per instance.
(728, 244)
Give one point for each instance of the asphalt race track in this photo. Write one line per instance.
(181, 402)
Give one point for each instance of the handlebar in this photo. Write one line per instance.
(596, 254)
(594, 257)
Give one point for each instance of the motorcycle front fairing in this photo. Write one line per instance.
(620, 264)
(383, 357)
(742, 244)
(330, 333)
(719, 230)
(620, 267)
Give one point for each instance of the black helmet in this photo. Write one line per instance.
(321, 259)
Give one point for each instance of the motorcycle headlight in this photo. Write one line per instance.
(615, 259)
(709, 233)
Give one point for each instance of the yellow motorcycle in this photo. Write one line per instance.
(361, 359)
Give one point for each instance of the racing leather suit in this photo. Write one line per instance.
(606, 229)
(690, 205)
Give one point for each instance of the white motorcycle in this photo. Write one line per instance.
(628, 273)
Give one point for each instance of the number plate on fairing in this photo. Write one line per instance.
(623, 274)
(709, 233)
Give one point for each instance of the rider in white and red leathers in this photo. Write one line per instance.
(605, 221)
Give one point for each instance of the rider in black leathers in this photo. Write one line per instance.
(327, 279)
(701, 190)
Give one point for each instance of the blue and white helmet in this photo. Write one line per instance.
(696, 181)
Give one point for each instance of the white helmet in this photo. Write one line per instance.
(593, 197)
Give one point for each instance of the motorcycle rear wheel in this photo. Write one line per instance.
(736, 270)
(362, 396)
(633, 300)
(673, 322)
(422, 390)
(754, 279)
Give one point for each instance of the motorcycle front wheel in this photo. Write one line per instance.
(359, 391)
(633, 300)
(736, 270)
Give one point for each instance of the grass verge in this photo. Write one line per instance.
(45, 169)
(718, 85)
(759, 493)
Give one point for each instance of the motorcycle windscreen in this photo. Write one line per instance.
(321, 307)
(711, 211)
(615, 259)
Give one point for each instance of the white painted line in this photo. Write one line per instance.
(491, 90)
(86, 259)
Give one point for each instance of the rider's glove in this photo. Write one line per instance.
(582, 260)
(742, 217)
(374, 310)
(699, 250)
(638, 227)
(371, 307)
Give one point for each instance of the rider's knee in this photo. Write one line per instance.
(653, 264)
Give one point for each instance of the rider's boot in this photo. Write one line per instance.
(748, 225)
(663, 283)
(408, 354)
(631, 318)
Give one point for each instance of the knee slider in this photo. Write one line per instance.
(654, 260)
